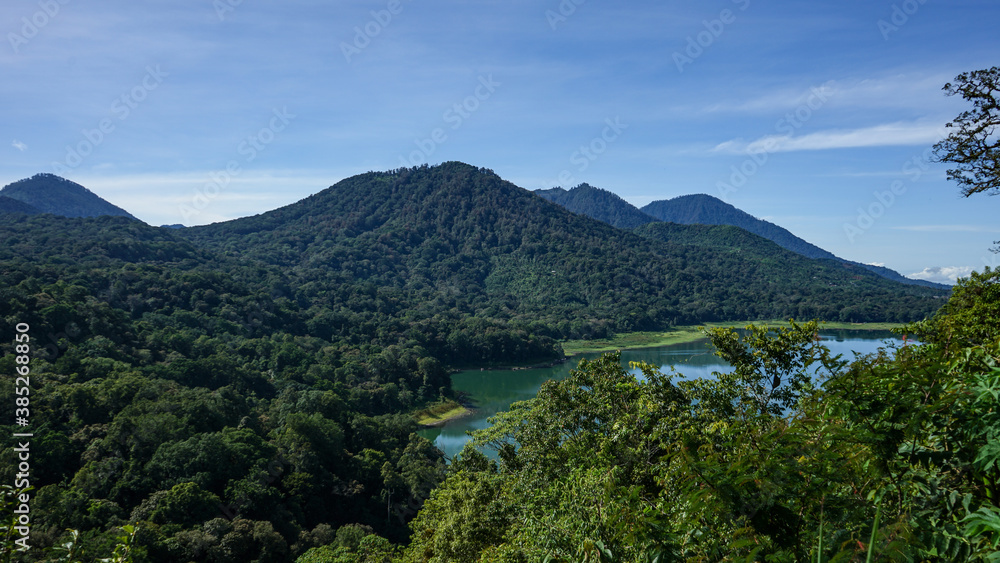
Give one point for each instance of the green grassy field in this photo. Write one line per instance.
(440, 413)
(682, 334)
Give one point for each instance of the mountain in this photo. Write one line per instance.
(49, 193)
(723, 237)
(11, 205)
(707, 210)
(296, 345)
(597, 203)
(458, 238)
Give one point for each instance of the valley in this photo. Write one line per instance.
(298, 344)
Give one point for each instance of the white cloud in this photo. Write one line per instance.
(921, 92)
(939, 274)
(19, 145)
(878, 264)
(888, 134)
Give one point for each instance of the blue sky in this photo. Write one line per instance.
(816, 115)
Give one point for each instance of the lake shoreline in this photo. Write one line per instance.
(492, 391)
(691, 333)
(445, 420)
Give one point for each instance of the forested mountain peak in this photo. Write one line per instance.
(406, 197)
(53, 194)
(287, 344)
(708, 210)
(598, 203)
(459, 238)
(704, 209)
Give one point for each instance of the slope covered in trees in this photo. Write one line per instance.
(183, 392)
(598, 204)
(51, 194)
(794, 456)
(11, 205)
(707, 210)
(458, 238)
(237, 391)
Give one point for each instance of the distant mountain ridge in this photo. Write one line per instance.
(704, 209)
(599, 204)
(708, 210)
(697, 209)
(48, 193)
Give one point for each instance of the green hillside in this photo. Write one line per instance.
(599, 204)
(701, 209)
(241, 390)
(458, 238)
(51, 194)
(11, 205)
(707, 210)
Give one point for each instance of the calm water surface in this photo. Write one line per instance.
(494, 391)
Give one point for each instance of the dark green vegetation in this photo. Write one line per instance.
(11, 205)
(182, 392)
(48, 193)
(239, 391)
(707, 210)
(458, 240)
(891, 457)
(598, 204)
(697, 209)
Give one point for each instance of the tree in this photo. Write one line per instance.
(974, 146)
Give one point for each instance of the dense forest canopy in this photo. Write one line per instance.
(794, 456)
(240, 392)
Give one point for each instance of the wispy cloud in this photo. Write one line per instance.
(889, 134)
(899, 90)
(942, 274)
(158, 198)
(19, 145)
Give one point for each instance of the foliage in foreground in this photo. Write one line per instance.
(795, 455)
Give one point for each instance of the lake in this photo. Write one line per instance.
(494, 391)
